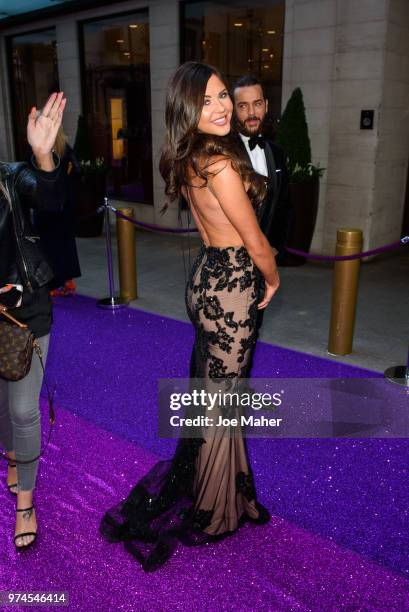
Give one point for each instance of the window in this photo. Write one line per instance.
(239, 38)
(116, 101)
(33, 76)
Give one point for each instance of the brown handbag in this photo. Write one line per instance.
(17, 344)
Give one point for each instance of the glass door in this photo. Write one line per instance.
(33, 72)
(116, 99)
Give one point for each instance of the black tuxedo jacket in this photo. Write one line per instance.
(275, 214)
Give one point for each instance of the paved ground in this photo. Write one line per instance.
(298, 317)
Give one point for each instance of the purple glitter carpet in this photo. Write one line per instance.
(339, 532)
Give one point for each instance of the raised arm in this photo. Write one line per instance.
(227, 186)
(41, 185)
(42, 130)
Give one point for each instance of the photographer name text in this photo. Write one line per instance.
(206, 421)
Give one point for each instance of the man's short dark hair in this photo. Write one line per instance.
(247, 81)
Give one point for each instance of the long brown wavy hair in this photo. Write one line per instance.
(186, 148)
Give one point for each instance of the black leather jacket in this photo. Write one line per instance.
(21, 259)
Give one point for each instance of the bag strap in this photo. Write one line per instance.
(50, 396)
(6, 314)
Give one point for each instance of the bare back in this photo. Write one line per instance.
(214, 226)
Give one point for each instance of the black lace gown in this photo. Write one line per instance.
(206, 491)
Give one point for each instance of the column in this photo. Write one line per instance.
(164, 59)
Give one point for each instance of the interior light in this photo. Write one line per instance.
(271, 31)
(238, 24)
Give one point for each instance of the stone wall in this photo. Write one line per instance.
(345, 55)
(164, 51)
(391, 160)
(349, 56)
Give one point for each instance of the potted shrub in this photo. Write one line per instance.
(304, 176)
(91, 185)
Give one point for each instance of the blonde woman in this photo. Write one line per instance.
(56, 229)
(24, 275)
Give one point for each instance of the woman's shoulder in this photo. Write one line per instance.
(15, 172)
(223, 167)
(205, 169)
(214, 163)
(10, 168)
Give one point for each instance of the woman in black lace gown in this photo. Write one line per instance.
(206, 491)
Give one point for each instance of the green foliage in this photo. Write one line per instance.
(292, 135)
(84, 154)
(93, 166)
(307, 173)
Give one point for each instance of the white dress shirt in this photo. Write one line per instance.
(257, 156)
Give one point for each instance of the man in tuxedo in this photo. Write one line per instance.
(267, 158)
(275, 214)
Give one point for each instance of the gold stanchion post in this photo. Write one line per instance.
(344, 292)
(125, 232)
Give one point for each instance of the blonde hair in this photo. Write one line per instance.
(60, 142)
(5, 192)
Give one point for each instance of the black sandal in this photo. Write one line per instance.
(11, 486)
(26, 533)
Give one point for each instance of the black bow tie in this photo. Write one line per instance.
(255, 141)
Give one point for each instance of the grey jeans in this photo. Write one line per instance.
(20, 425)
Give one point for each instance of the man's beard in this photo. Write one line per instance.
(241, 126)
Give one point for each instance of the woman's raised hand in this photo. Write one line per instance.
(42, 130)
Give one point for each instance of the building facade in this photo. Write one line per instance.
(113, 60)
